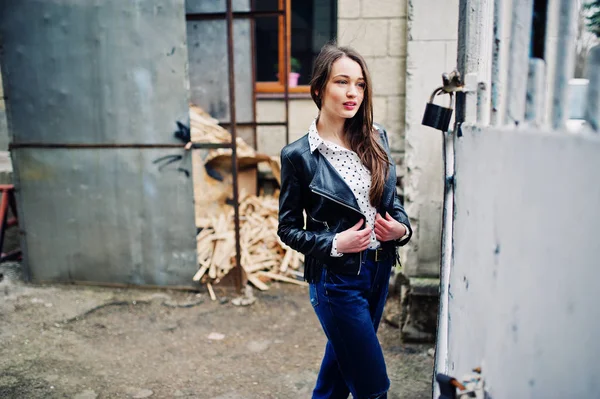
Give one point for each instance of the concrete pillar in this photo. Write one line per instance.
(564, 61)
(474, 51)
(592, 109)
(552, 28)
(518, 64)
(377, 29)
(536, 79)
(430, 52)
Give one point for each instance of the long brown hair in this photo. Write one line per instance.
(358, 129)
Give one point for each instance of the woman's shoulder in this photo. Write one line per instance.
(296, 148)
(378, 128)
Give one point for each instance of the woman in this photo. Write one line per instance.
(341, 174)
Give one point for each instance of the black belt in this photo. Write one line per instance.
(374, 255)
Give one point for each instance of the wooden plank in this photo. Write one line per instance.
(285, 279)
(201, 272)
(260, 266)
(286, 261)
(295, 264)
(211, 292)
(203, 234)
(257, 283)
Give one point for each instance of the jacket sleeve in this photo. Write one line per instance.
(398, 213)
(291, 219)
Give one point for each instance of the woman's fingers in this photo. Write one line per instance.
(382, 224)
(362, 245)
(381, 231)
(382, 235)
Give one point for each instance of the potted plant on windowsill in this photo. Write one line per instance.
(295, 67)
(294, 76)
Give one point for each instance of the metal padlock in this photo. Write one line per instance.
(437, 116)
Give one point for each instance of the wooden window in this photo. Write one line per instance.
(310, 24)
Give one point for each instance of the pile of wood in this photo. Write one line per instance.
(206, 129)
(263, 256)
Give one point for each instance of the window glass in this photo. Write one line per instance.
(267, 48)
(313, 23)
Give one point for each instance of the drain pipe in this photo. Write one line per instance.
(441, 348)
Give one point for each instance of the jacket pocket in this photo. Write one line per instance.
(325, 224)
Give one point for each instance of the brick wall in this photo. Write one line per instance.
(377, 29)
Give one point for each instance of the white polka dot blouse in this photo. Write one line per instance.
(355, 174)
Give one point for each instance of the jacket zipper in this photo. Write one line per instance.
(347, 206)
(336, 201)
(360, 255)
(318, 221)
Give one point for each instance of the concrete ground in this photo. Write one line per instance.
(92, 342)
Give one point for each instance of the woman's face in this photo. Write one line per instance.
(344, 90)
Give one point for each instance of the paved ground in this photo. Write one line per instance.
(91, 342)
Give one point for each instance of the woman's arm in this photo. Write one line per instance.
(291, 219)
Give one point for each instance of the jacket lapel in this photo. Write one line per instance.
(326, 180)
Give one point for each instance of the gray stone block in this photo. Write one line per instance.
(420, 308)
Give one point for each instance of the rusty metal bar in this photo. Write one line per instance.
(253, 55)
(13, 146)
(253, 124)
(286, 90)
(234, 164)
(114, 285)
(90, 145)
(4, 214)
(211, 146)
(235, 15)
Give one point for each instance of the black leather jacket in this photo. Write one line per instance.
(310, 183)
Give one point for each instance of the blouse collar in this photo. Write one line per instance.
(314, 140)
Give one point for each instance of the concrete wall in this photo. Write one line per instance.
(525, 273)
(270, 139)
(431, 50)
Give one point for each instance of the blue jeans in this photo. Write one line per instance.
(349, 309)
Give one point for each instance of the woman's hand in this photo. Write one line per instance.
(354, 240)
(388, 229)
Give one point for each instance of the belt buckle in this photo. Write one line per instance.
(377, 254)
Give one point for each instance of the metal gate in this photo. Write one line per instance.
(519, 261)
(93, 93)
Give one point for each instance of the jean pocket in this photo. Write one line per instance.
(312, 292)
(334, 279)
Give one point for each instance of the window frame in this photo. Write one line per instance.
(279, 86)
